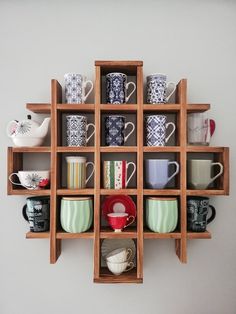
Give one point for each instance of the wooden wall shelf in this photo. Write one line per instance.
(138, 109)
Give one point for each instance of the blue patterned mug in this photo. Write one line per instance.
(157, 89)
(115, 130)
(116, 88)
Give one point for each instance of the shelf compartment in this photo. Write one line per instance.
(37, 235)
(76, 107)
(118, 108)
(39, 107)
(171, 108)
(107, 277)
(69, 149)
(161, 192)
(161, 149)
(154, 235)
(66, 235)
(26, 149)
(118, 149)
(198, 235)
(77, 192)
(198, 107)
(117, 192)
(107, 233)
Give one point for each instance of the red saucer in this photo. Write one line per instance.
(118, 204)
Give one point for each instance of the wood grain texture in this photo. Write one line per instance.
(66, 149)
(37, 235)
(118, 108)
(198, 235)
(122, 63)
(75, 191)
(162, 107)
(39, 149)
(119, 192)
(155, 235)
(67, 236)
(118, 149)
(76, 107)
(198, 107)
(161, 149)
(39, 107)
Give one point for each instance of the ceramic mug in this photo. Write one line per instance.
(32, 180)
(157, 88)
(76, 214)
(115, 174)
(76, 172)
(156, 172)
(156, 127)
(75, 85)
(119, 255)
(119, 221)
(200, 128)
(197, 211)
(37, 213)
(115, 130)
(76, 130)
(116, 88)
(161, 214)
(119, 268)
(199, 173)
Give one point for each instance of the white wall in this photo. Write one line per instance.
(44, 39)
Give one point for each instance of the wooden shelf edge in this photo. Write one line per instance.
(28, 192)
(66, 235)
(118, 63)
(161, 107)
(77, 192)
(198, 107)
(198, 235)
(76, 107)
(26, 149)
(155, 235)
(68, 149)
(206, 192)
(117, 192)
(37, 235)
(118, 149)
(205, 149)
(39, 107)
(160, 149)
(121, 107)
(161, 192)
(114, 280)
(126, 234)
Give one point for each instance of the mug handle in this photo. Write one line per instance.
(220, 172)
(126, 124)
(130, 266)
(92, 125)
(14, 173)
(132, 220)
(89, 92)
(128, 164)
(213, 214)
(24, 212)
(172, 92)
(87, 164)
(130, 253)
(134, 89)
(174, 127)
(177, 169)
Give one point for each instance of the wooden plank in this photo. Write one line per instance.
(107, 277)
(119, 192)
(198, 235)
(105, 63)
(67, 149)
(160, 149)
(155, 235)
(198, 107)
(225, 161)
(128, 233)
(118, 108)
(77, 192)
(39, 149)
(37, 235)
(162, 107)
(39, 107)
(24, 191)
(67, 236)
(118, 149)
(55, 244)
(161, 192)
(206, 192)
(9, 169)
(205, 149)
(76, 107)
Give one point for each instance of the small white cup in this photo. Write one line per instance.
(119, 268)
(32, 180)
(120, 255)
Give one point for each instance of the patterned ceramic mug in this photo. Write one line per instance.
(76, 172)
(115, 130)
(115, 174)
(197, 212)
(75, 85)
(156, 130)
(32, 180)
(116, 88)
(76, 130)
(157, 89)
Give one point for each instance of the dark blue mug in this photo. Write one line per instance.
(115, 130)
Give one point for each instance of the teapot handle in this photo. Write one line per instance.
(11, 127)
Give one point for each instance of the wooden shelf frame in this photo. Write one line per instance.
(56, 108)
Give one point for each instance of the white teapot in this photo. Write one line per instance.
(28, 132)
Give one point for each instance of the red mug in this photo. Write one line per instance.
(119, 221)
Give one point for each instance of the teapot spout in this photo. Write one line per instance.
(43, 128)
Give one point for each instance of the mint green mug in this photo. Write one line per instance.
(161, 214)
(76, 214)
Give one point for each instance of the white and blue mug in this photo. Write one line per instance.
(115, 127)
(157, 89)
(75, 85)
(116, 88)
(156, 130)
(157, 172)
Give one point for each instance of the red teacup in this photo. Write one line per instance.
(119, 221)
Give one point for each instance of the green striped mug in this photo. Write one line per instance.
(76, 214)
(161, 214)
(76, 172)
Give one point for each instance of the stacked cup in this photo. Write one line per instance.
(118, 261)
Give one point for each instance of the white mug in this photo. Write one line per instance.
(119, 268)
(75, 85)
(31, 180)
(119, 255)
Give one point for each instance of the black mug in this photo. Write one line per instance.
(197, 211)
(37, 212)
(115, 130)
